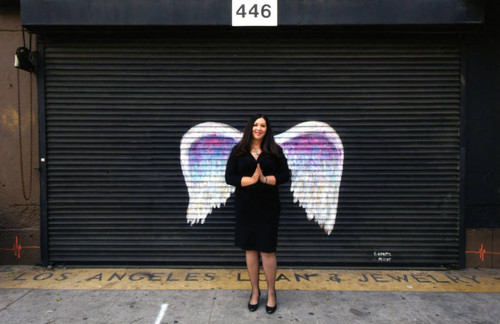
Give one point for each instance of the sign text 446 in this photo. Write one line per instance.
(255, 13)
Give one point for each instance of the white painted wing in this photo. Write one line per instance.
(315, 157)
(205, 149)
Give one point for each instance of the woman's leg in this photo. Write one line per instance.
(252, 258)
(269, 265)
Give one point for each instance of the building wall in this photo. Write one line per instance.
(482, 173)
(19, 218)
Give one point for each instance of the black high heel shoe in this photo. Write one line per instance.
(270, 309)
(254, 307)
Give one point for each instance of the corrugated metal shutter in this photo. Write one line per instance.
(117, 107)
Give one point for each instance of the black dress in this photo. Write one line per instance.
(258, 205)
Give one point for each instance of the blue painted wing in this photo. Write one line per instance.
(205, 149)
(315, 156)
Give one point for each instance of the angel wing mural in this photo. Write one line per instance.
(315, 157)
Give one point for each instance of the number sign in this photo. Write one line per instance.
(255, 13)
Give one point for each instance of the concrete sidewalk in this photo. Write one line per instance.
(146, 295)
(229, 306)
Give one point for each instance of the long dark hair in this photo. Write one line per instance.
(268, 145)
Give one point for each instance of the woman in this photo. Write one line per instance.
(255, 167)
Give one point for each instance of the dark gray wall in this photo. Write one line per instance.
(218, 12)
(482, 189)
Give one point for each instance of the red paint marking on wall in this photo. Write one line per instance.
(18, 247)
(482, 251)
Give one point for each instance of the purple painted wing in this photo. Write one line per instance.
(205, 149)
(315, 156)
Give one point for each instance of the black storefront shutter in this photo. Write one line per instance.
(118, 105)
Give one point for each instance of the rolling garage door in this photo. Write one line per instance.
(118, 106)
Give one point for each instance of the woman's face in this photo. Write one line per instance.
(259, 128)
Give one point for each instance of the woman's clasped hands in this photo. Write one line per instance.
(258, 175)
